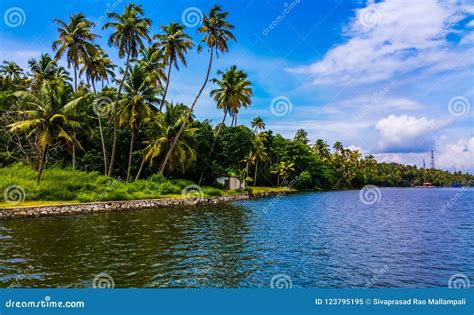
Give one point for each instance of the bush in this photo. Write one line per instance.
(305, 180)
(182, 183)
(211, 191)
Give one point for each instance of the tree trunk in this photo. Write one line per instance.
(104, 149)
(235, 123)
(43, 160)
(114, 141)
(213, 144)
(74, 134)
(130, 154)
(180, 131)
(255, 176)
(167, 84)
(141, 167)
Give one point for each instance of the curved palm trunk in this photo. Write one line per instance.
(166, 87)
(114, 141)
(168, 154)
(255, 176)
(74, 134)
(141, 168)
(213, 144)
(130, 153)
(104, 149)
(43, 160)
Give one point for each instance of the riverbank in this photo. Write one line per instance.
(33, 211)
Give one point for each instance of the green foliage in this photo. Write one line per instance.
(211, 191)
(305, 180)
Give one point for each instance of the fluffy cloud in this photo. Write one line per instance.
(391, 38)
(407, 133)
(458, 155)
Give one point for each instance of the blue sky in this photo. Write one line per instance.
(392, 78)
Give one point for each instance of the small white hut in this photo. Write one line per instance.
(230, 182)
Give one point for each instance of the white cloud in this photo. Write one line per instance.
(406, 38)
(407, 133)
(458, 155)
(21, 57)
(470, 24)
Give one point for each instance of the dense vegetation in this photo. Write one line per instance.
(102, 119)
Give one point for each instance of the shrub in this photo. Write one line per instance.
(211, 191)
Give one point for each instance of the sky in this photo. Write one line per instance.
(390, 78)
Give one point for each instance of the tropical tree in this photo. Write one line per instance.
(258, 124)
(130, 29)
(152, 62)
(46, 69)
(166, 126)
(301, 136)
(283, 170)
(259, 154)
(49, 117)
(10, 71)
(135, 108)
(174, 46)
(217, 33)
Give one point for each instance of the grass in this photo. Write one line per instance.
(261, 189)
(60, 186)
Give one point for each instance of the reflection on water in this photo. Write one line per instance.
(328, 239)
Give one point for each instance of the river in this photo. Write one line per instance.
(407, 237)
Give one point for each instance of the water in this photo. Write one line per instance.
(411, 238)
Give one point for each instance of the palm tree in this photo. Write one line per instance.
(98, 67)
(259, 154)
(174, 46)
(136, 106)
(283, 169)
(50, 119)
(217, 33)
(301, 136)
(75, 40)
(46, 69)
(130, 29)
(233, 91)
(152, 62)
(10, 71)
(166, 126)
(258, 124)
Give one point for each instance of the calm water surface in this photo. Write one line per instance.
(328, 239)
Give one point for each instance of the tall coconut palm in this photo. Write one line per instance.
(75, 40)
(98, 67)
(233, 91)
(174, 46)
(166, 126)
(259, 154)
(10, 71)
(152, 62)
(217, 33)
(50, 117)
(136, 106)
(130, 29)
(258, 124)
